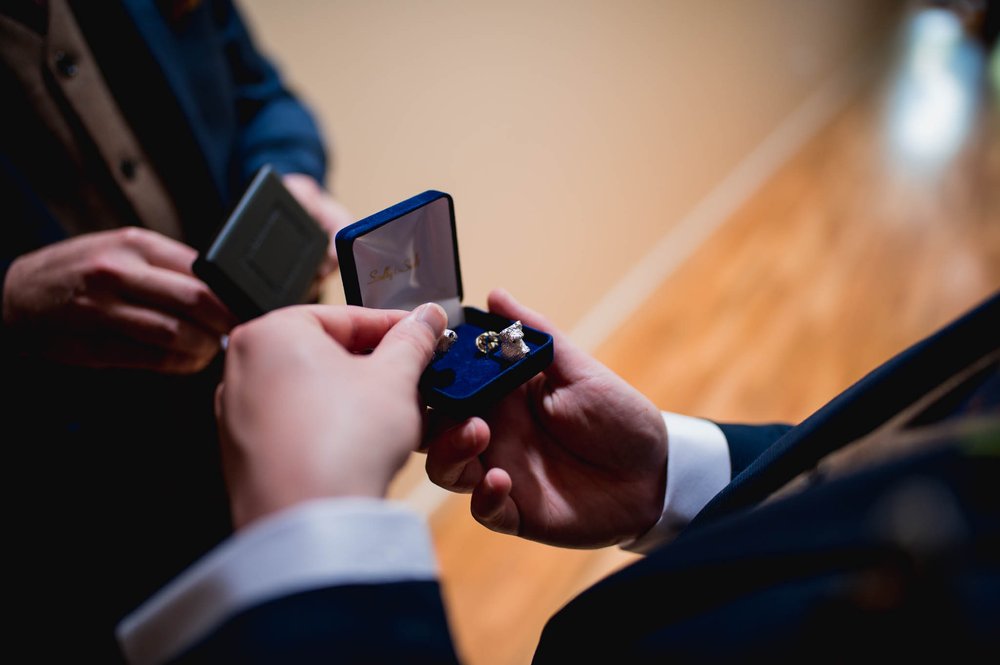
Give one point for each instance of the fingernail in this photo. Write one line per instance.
(433, 315)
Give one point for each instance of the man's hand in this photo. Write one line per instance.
(576, 457)
(121, 298)
(305, 412)
(330, 214)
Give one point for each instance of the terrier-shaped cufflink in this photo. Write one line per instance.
(510, 342)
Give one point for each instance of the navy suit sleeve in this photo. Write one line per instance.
(746, 442)
(274, 126)
(403, 622)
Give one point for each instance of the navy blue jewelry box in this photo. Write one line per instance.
(407, 255)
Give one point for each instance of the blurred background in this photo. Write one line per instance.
(740, 206)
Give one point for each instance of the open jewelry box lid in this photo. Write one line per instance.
(407, 255)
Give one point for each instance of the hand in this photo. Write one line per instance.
(303, 413)
(575, 457)
(122, 298)
(329, 213)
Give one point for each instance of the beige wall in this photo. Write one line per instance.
(573, 135)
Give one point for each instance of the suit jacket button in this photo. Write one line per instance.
(66, 64)
(128, 167)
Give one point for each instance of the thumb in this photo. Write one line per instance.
(409, 345)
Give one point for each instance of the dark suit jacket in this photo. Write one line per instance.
(115, 473)
(209, 109)
(897, 559)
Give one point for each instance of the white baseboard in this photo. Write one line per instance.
(685, 237)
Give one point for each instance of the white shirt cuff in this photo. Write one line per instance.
(316, 544)
(698, 467)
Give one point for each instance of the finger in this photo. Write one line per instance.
(315, 289)
(218, 397)
(453, 457)
(409, 346)
(170, 255)
(333, 216)
(357, 329)
(112, 351)
(492, 506)
(161, 251)
(436, 423)
(570, 363)
(153, 328)
(171, 291)
(326, 268)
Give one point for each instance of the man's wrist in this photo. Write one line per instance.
(698, 468)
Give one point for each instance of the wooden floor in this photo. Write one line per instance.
(844, 257)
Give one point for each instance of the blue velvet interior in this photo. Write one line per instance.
(464, 370)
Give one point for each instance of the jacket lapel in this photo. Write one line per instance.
(863, 407)
(150, 23)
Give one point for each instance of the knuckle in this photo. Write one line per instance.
(103, 270)
(170, 334)
(83, 303)
(242, 338)
(489, 521)
(192, 296)
(417, 333)
(199, 346)
(198, 362)
(185, 364)
(200, 299)
(133, 236)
